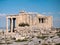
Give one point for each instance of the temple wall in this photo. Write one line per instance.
(47, 23)
(35, 21)
(23, 19)
(39, 21)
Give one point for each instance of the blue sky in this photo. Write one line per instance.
(46, 7)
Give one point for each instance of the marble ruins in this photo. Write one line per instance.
(31, 28)
(33, 19)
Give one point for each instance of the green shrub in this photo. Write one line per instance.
(44, 44)
(23, 24)
(2, 43)
(41, 37)
(58, 34)
(21, 40)
(13, 38)
(9, 43)
(6, 43)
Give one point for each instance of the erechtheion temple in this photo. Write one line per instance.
(31, 18)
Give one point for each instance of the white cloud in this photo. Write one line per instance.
(57, 20)
(2, 14)
(50, 13)
(44, 13)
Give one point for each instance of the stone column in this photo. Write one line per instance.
(11, 25)
(7, 24)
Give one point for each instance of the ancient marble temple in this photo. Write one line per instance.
(31, 18)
